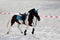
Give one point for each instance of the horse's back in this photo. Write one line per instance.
(18, 17)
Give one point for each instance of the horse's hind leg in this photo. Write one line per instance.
(8, 30)
(17, 21)
(19, 28)
(18, 25)
(12, 22)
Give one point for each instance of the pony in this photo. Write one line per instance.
(29, 17)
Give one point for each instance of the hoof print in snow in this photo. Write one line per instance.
(7, 32)
(21, 32)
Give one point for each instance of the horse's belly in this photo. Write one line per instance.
(20, 21)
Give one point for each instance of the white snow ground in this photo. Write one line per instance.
(46, 29)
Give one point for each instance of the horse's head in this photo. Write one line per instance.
(34, 12)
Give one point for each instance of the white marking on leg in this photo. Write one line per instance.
(19, 28)
(8, 30)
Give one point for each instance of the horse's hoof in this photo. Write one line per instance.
(24, 33)
(21, 32)
(32, 32)
(7, 32)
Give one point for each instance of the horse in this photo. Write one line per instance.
(29, 17)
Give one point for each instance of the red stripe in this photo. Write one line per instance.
(56, 16)
(51, 16)
(46, 16)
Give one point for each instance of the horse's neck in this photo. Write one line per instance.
(26, 21)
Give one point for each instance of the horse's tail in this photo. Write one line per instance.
(8, 23)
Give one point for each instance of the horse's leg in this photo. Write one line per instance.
(12, 22)
(34, 25)
(30, 22)
(25, 30)
(33, 31)
(18, 25)
(19, 28)
(8, 30)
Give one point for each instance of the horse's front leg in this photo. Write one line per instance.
(33, 30)
(25, 30)
(34, 25)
